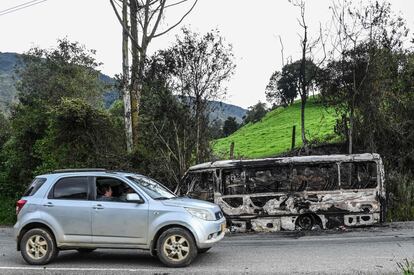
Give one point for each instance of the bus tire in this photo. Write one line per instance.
(305, 222)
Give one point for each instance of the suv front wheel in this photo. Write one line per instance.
(176, 247)
(38, 246)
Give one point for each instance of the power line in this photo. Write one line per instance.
(21, 6)
(18, 6)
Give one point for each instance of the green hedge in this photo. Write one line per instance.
(7, 211)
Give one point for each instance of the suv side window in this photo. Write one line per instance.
(112, 189)
(71, 188)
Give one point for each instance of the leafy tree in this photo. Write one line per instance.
(369, 83)
(285, 86)
(67, 71)
(216, 129)
(277, 95)
(167, 140)
(4, 129)
(255, 113)
(4, 136)
(79, 135)
(230, 126)
(364, 33)
(200, 65)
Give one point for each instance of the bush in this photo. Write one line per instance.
(79, 135)
(7, 211)
(401, 196)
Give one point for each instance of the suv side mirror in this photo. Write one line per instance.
(134, 197)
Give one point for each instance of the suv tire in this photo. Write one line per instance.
(176, 247)
(38, 246)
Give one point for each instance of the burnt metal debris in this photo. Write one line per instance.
(267, 195)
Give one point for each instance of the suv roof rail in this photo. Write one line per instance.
(79, 170)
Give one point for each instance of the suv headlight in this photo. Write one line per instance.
(201, 213)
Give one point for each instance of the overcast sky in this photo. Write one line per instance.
(252, 27)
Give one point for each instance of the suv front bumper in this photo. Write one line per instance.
(211, 232)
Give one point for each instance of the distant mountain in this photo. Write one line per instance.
(221, 111)
(10, 61)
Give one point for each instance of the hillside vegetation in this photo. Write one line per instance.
(273, 134)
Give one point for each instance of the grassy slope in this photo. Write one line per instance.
(273, 134)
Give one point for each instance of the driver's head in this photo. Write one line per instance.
(107, 190)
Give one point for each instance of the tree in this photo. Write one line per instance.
(200, 64)
(216, 129)
(363, 32)
(306, 78)
(80, 135)
(255, 113)
(4, 137)
(369, 83)
(145, 17)
(230, 126)
(276, 94)
(48, 76)
(69, 70)
(285, 86)
(4, 129)
(168, 127)
(126, 95)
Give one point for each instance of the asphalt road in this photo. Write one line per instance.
(374, 250)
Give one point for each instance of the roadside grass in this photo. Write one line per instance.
(7, 211)
(406, 267)
(273, 134)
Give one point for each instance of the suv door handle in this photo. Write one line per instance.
(49, 204)
(98, 206)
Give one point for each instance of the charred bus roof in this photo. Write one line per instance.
(283, 160)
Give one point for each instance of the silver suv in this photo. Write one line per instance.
(95, 208)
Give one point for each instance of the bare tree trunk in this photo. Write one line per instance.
(351, 129)
(303, 86)
(198, 135)
(134, 88)
(125, 78)
(153, 12)
(302, 121)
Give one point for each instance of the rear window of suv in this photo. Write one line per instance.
(34, 186)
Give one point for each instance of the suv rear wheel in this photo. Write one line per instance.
(38, 246)
(176, 247)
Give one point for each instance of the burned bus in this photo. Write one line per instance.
(305, 192)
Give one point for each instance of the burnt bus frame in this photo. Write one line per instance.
(218, 186)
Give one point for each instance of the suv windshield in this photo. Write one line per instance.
(154, 189)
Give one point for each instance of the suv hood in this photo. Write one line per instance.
(187, 202)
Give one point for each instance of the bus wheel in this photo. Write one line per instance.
(305, 222)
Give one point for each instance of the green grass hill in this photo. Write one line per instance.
(273, 134)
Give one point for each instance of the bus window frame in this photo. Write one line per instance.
(379, 175)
